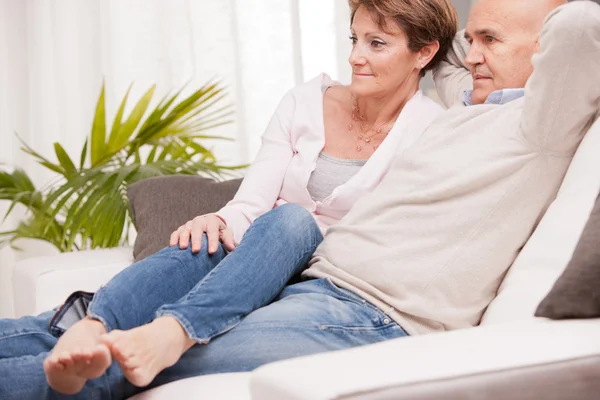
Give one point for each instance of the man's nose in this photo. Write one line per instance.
(474, 56)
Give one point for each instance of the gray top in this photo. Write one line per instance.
(331, 172)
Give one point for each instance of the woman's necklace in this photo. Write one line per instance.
(362, 135)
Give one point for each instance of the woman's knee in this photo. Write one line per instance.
(291, 219)
(293, 211)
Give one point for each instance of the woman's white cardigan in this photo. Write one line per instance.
(290, 147)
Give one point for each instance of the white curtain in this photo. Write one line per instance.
(54, 55)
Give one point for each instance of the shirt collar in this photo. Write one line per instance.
(498, 97)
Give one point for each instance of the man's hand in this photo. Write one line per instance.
(216, 230)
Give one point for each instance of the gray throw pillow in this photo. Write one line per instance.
(576, 294)
(162, 204)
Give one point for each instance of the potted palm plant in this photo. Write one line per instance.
(88, 207)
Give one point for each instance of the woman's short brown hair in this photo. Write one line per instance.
(423, 22)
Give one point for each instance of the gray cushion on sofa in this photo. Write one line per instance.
(162, 204)
(576, 294)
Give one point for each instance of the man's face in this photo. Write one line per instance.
(503, 35)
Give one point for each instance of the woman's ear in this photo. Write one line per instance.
(427, 53)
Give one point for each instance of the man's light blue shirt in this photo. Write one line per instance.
(498, 97)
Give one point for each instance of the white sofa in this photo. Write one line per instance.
(510, 355)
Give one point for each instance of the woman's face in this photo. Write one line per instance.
(381, 61)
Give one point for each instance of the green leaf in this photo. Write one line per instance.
(165, 152)
(64, 159)
(152, 154)
(157, 114)
(75, 207)
(98, 148)
(10, 208)
(118, 121)
(18, 179)
(132, 122)
(83, 154)
(53, 167)
(101, 189)
(136, 115)
(180, 113)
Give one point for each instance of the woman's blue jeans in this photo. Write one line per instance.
(307, 318)
(222, 292)
(210, 294)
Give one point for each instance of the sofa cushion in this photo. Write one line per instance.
(576, 378)
(162, 204)
(576, 294)
(444, 365)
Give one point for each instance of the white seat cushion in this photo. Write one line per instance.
(234, 386)
(427, 359)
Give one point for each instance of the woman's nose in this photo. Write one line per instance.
(356, 56)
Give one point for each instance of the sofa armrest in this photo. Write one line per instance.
(42, 283)
(437, 365)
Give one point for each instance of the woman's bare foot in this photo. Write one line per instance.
(77, 357)
(145, 351)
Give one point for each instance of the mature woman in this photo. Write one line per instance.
(326, 146)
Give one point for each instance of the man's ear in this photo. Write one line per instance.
(427, 53)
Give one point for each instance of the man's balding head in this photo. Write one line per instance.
(504, 34)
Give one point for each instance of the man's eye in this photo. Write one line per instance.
(490, 39)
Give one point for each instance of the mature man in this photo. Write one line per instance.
(427, 250)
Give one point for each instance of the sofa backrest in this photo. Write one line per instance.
(551, 246)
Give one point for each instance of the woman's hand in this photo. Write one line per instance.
(216, 230)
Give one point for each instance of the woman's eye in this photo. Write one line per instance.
(353, 40)
(376, 44)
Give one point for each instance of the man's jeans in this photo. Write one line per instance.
(210, 295)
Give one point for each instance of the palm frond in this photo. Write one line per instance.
(88, 207)
(98, 135)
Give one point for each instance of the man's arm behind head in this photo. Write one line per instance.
(562, 96)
